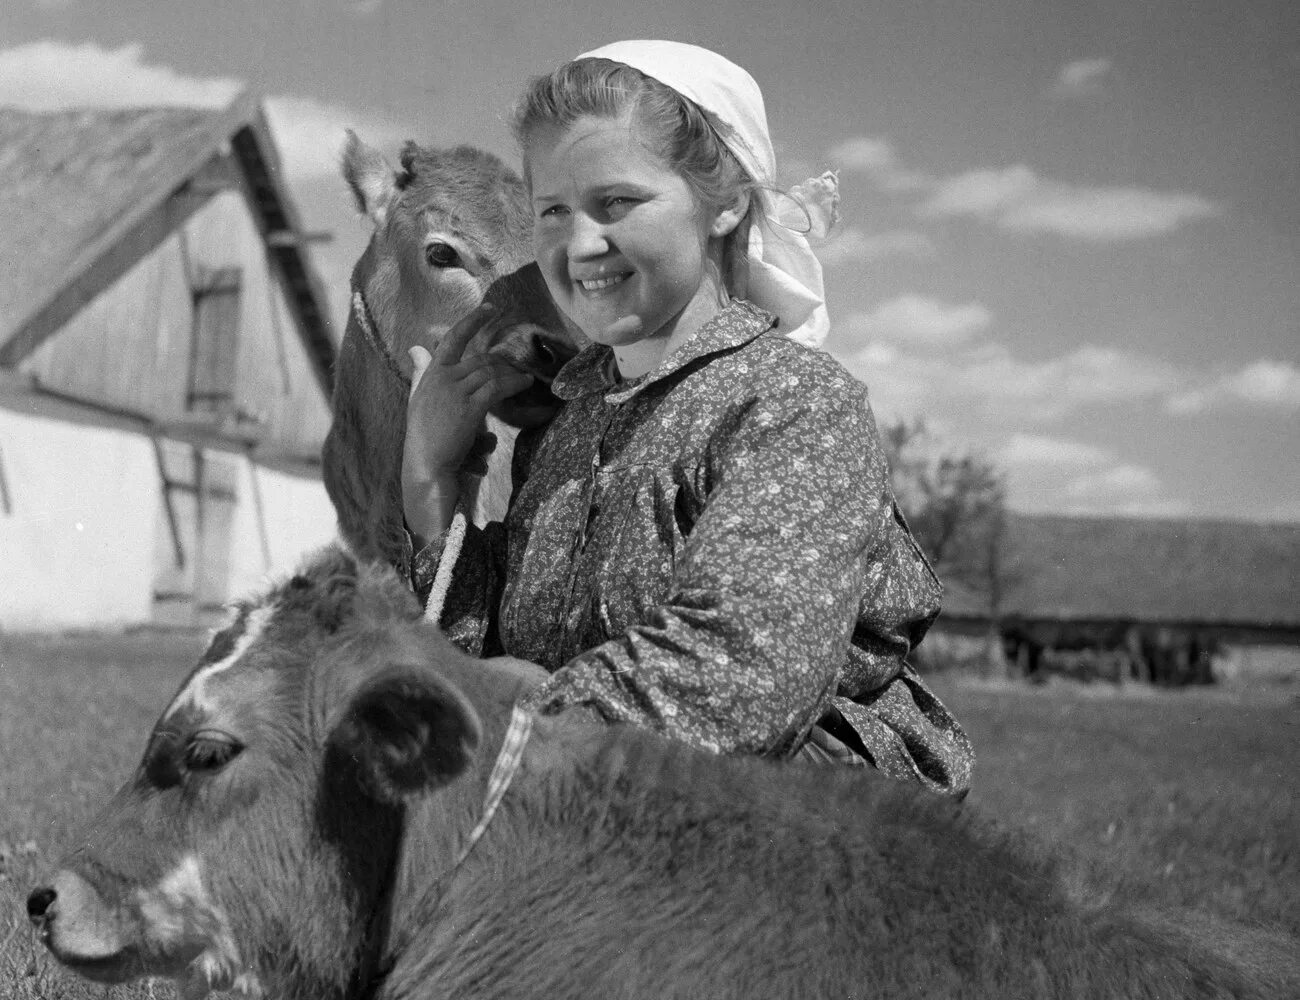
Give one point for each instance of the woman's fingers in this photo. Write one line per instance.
(421, 359)
(451, 348)
(491, 380)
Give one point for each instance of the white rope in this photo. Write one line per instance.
(446, 567)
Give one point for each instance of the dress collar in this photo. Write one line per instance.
(593, 369)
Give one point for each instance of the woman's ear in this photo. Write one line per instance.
(725, 222)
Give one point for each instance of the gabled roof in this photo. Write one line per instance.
(1147, 570)
(87, 193)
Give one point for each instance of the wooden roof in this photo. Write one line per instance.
(1147, 570)
(88, 193)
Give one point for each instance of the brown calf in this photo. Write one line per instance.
(300, 827)
(452, 227)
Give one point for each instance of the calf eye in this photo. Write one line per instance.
(441, 255)
(210, 750)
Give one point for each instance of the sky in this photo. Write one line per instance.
(1070, 234)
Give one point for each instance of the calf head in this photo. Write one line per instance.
(451, 228)
(255, 841)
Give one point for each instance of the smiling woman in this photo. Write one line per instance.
(703, 541)
(627, 251)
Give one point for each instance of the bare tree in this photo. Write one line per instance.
(955, 503)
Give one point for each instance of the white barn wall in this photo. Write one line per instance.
(76, 544)
(79, 534)
(295, 518)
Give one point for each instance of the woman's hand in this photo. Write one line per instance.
(450, 397)
(530, 673)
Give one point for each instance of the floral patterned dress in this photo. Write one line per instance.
(713, 550)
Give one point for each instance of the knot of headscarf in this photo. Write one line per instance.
(785, 277)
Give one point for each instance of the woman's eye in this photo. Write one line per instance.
(552, 212)
(441, 255)
(209, 750)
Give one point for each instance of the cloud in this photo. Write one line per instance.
(51, 75)
(982, 380)
(1035, 451)
(1063, 475)
(1082, 77)
(310, 134)
(856, 246)
(918, 320)
(1263, 384)
(875, 156)
(1017, 199)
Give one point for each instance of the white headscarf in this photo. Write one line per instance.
(785, 276)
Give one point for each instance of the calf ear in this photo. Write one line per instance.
(372, 180)
(406, 733)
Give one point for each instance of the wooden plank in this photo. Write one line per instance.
(276, 216)
(214, 341)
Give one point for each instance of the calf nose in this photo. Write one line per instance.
(40, 904)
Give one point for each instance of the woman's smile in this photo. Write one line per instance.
(595, 286)
(627, 251)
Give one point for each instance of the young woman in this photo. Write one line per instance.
(704, 540)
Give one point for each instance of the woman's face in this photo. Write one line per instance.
(627, 251)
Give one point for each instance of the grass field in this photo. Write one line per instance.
(1189, 798)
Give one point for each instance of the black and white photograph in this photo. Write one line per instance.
(663, 501)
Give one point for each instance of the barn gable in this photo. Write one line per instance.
(159, 310)
(87, 194)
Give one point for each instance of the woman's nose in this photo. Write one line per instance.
(587, 238)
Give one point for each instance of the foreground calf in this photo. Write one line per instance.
(307, 822)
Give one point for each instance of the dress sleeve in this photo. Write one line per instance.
(746, 651)
(458, 577)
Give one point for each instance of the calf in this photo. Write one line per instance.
(452, 228)
(313, 818)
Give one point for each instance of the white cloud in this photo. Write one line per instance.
(1264, 384)
(310, 134)
(1082, 77)
(50, 75)
(1063, 475)
(856, 246)
(982, 380)
(1017, 199)
(1035, 451)
(918, 320)
(875, 156)
(863, 153)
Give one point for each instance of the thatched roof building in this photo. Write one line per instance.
(1239, 576)
(166, 356)
(90, 194)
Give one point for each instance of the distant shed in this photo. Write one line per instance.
(1160, 591)
(165, 364)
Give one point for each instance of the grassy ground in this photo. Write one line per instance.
(1188, 797)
